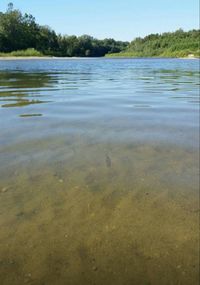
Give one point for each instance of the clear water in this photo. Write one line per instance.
(99, 172)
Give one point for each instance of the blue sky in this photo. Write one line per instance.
(119, 19)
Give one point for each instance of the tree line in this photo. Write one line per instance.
(21, 31)
(173, 44)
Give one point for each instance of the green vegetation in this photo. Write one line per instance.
(20, 35)
(27, 52)
(177, 44)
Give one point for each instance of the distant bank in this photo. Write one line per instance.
(123, 56)
(178, 44)
(9, 58)
(42, 58)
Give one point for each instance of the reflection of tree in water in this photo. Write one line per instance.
(21, 89)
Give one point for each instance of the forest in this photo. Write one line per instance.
(20, 35)
(174, 44)
(19, 32)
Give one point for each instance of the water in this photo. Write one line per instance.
(99, 172)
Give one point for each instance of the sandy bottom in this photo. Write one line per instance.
(101, 216)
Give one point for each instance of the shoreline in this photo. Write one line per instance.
(75, 58)
(43, 57)
(157, 57)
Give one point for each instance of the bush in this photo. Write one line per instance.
(27, 52)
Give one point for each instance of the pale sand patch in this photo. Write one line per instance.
(40, 57)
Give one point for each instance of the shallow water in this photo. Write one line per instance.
(99, 172)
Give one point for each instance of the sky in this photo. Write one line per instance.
(118, 19)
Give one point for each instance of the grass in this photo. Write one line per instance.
(27, 52)
(167, 54)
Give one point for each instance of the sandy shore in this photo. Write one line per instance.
(70, 58)
(39, 57)
(187, 57)
(24, 57)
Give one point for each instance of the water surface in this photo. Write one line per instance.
(99, 172)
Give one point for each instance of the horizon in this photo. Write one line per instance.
(170, 18)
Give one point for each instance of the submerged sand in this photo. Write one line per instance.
(92, 222)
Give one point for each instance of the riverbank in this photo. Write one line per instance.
(25, 57)
(86, 58)
(42, 58)
(121, 55)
